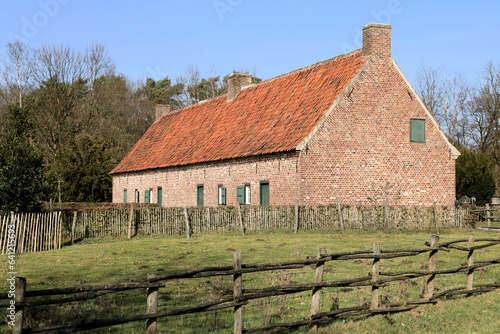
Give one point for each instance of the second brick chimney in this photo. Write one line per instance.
(161, 109)
(377, 40)
(235, 82)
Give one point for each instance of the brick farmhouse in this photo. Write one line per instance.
(349, 128)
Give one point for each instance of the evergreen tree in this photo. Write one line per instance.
(21, 166)
(475, 176)
(85, 163)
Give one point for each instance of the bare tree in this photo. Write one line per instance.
(97, 62)
(59, 63)
(190, 80)
(59, 76)
(485, 110)
(196, 88)
(446, 99)
(17, 74)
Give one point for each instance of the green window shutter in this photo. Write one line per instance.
(240, 194)
(147, 196)
(160, 196)
(199, 195)
(417, 130)
(264, 193)
(124, 195)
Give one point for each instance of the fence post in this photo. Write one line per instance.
(19, 300)
(130, 219)
(470, 263)
(431, 280)
(188, 228)
(488, 215)
(341, 219)
(296, 216)
(240, 218)
(375, 275)
(237, 284)
(435, 217)
(318, 278)
(60, 229)
(386, 217)
(73, 227)
(152, 308)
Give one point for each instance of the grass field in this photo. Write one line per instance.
(98, 261)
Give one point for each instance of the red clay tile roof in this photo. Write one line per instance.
(273, 116)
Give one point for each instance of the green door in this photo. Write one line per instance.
(264, 193)
(199, 195)
(160, 196)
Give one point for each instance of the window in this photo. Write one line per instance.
(137, 196)
(247, 194)
(417, 130)
(148, 196)
(124, 195)
(159, 196)
(243, 194)
(264, 192)
(199, 195)
(222, 195)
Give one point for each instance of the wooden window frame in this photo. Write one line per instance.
(413, 123)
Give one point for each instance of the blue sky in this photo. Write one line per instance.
(159, 38)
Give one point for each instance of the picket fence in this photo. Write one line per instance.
(45, 231)
(184, 221)
(31, 232)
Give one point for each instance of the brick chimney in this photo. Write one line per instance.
(377, 40)
(235, 82)
(162, 109)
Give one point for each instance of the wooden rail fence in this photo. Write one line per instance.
(31, 232)
(240, 296)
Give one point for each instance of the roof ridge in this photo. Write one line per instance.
(302, 69)
(308, 67)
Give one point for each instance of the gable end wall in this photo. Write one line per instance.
(362, 153)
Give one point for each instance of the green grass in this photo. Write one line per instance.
(108, 260)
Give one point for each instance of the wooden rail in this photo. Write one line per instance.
(241, 296)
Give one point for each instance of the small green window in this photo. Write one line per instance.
(222, 195)
(124, 195)
(417, 130)
(159, 194)
(264, 192)
(199, 195)
(137, 194)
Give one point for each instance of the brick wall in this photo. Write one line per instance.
(179, 184)
(363, 154)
